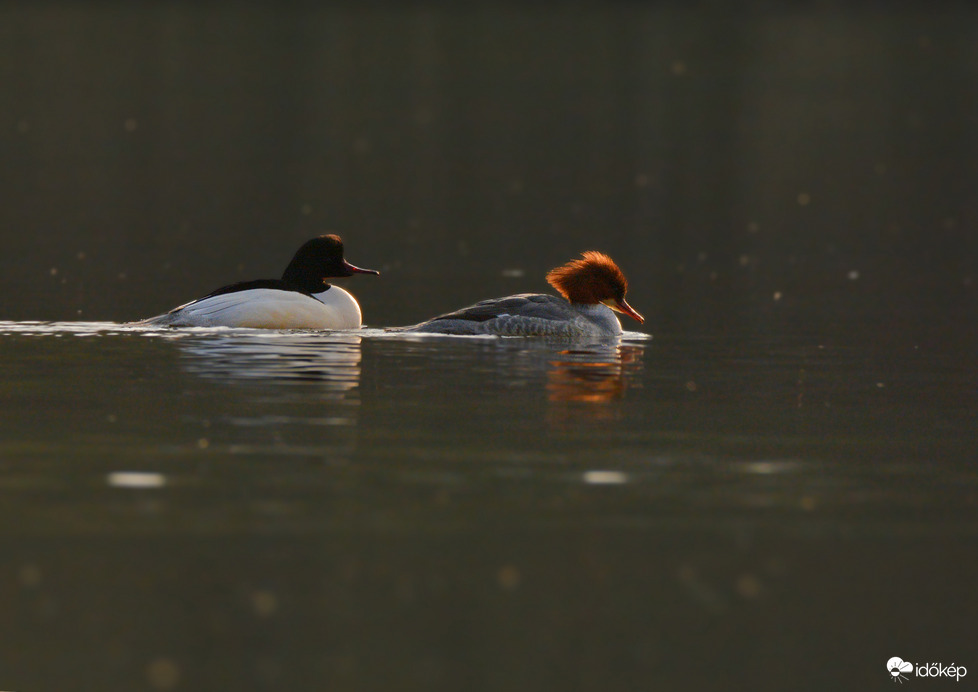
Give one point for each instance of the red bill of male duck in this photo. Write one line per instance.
(301, 299)
(592, 290)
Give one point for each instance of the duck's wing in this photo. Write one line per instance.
(538, 305)
(274, 284)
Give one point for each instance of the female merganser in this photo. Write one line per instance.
(592, 287)
(301, 299)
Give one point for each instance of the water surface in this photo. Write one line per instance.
(214, 507)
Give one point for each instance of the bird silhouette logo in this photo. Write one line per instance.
(897, 667)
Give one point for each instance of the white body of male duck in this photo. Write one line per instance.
(301, 299)
(593, 289)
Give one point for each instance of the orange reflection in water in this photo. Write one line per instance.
(592, 378)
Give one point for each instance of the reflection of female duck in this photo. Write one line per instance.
(581, 385)
(301, 299)
(593, 375)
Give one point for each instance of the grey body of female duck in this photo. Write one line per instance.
(593, 289)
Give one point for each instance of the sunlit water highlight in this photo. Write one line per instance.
(773, 425)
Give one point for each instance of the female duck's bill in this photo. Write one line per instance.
(301, 299)
(593, 288)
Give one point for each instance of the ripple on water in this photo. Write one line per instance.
(331, 358)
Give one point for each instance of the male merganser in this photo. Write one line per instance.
(592, 288)
(301, 299)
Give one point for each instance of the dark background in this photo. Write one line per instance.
(791, 190)
(721, 152)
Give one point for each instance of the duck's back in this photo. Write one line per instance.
(526, 314)
(264, 305)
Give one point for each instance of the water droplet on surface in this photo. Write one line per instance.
(136, 479)
(163, 674)
(748, 586)
(265, 603)
(765, 467)
(605, 477)
(30, 575)
(509, 577)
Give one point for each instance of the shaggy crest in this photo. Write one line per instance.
(592, 279)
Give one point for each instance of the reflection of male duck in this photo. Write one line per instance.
(294, 393)
(330, 359)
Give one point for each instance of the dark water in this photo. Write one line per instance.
(777, 491)
(212, 509)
